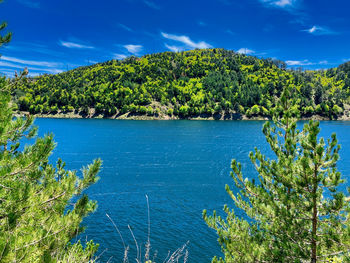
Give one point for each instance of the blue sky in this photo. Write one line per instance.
(52, 36)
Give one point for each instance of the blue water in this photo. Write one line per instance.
(182, 166)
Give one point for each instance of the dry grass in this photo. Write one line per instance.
(179, 255)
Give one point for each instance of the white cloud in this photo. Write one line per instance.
(8, 65)
(319, 30)
(189, 44)
(31, 62)
(120, 56)
(74, 45)
(323, 62)
(280, 3)
(304, 62)
(133, 49)
(35, 67)
(29, 3)
(151, 4)
(245, 51)
(283, 3)
(312, 29)
(174, 48)
(28, 47)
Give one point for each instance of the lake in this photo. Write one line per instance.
(182, 166)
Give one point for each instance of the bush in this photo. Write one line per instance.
(149, 110)
(308, 110)
(184, 111)
(255, 110)
(170, 112)
(337, 110)
(264, 111)
(142, 110)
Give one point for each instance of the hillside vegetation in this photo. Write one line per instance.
(204, 83)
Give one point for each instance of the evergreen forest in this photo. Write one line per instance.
(202, 83)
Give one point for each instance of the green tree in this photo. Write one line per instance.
(337, 110)
(295, 213)
(255, 110)
(41, 206)
(35, 225)
(202, 81)
(7, 37)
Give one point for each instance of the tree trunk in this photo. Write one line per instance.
(314, 220)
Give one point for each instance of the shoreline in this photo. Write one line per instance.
(128, 116)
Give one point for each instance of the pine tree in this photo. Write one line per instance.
(41, 206)
(295, 213)
(7, 37)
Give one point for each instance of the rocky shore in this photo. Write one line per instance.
(132, 116)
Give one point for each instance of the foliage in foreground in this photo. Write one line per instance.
(179, 255)
(295, 213)
(205, 83)
(35, 225)
(37, 217)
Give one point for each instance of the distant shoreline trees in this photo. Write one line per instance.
(199, 83)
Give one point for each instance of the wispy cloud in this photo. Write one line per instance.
(12, 65)
(294, 7)
(245, 51)
(280, 3)
(201, 23)
(284, 3)
(151, 4)
(74, 45)
(35, 67)
(133, 49)
(230, 32)
(120, 56)
(125, 27)
(173, 48)
(7, 66)
(31, 62)
(323, 62)
(29, 3)
(291, 6)
(25, 47)
(319, 30)
(50, 70)
(91, 61)
(186, 41)
(306, 62)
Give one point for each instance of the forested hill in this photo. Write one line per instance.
(204, 83)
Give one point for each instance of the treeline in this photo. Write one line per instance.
(207, 82)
